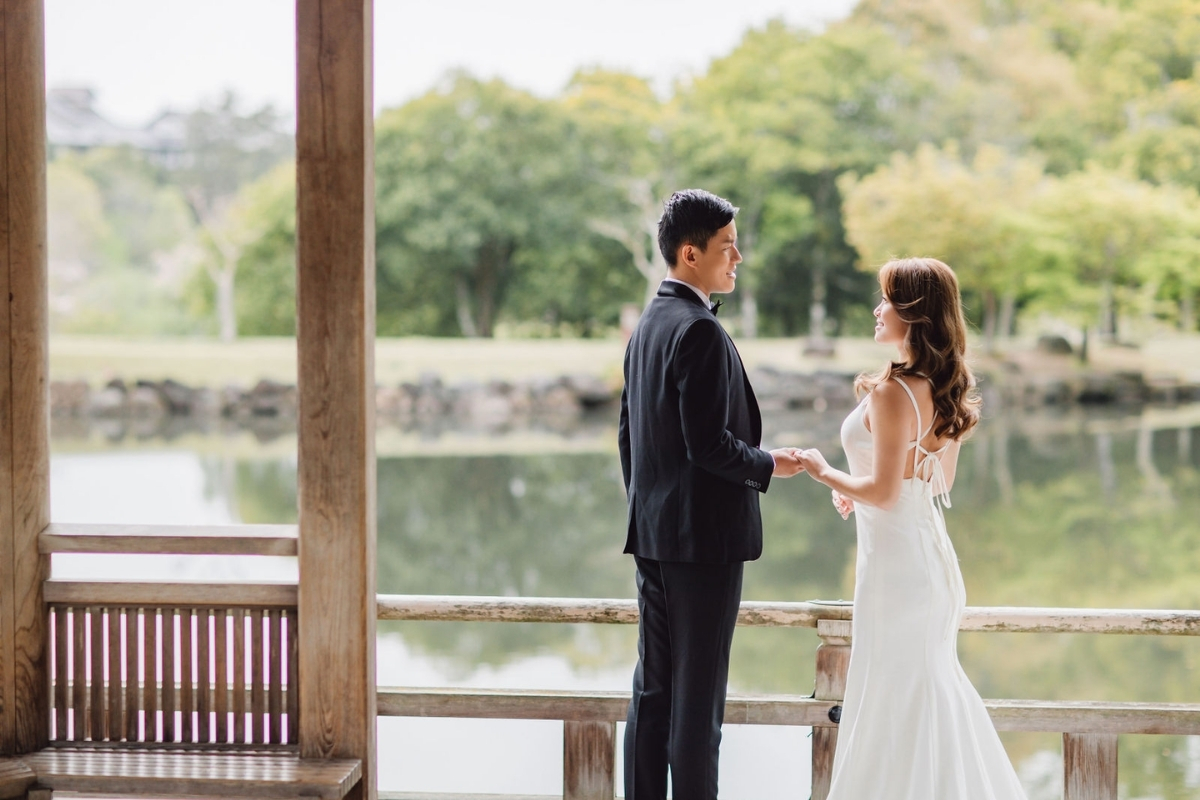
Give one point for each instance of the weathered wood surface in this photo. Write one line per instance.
(335, 319)
(589, 760)
(104, 703)
(584, 706)
(1044, 716)
(782, 614)
(178, 595)
(833, 660)
(1090, 766)
(195, 773)
(15, 777)
(24, 365)
(573, 609)
(230, 540)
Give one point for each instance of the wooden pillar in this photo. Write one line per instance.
(24, 364)
(833, 659)
(589, 760)
(1089, 766)
(335, 295)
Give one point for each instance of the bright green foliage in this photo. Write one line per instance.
(974, 216)
(779, 119)
(469, 180)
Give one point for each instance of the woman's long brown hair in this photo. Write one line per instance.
(924, 292)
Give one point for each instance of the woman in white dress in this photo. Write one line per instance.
(913, 727)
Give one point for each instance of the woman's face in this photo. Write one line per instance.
(889, 328)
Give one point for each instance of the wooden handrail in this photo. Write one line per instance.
(1038, 716)
(231, 540)
(180, 594)
(783, 614)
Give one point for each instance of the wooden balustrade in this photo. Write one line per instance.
(1089, 729)
(173, 672)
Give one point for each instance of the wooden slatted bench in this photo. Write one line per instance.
(192, 773)
(180, 689)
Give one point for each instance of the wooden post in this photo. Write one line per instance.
(24, 364)
(1089, 766)
(589, 760)
(335, 296)
(833, 658)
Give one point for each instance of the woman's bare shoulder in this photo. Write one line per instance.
(889, 403)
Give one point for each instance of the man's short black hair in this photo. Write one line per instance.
(691, 216)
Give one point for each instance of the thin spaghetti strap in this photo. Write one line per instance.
(916, 450)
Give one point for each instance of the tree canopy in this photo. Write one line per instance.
(1049, 150)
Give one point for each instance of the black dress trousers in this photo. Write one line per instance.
(688, 613)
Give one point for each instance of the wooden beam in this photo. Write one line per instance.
(217, 540)
(171, 595)
(589, 760)
(462, 608)
(1090, 766)
(1038, 716)
(24, 365)
(335, 296)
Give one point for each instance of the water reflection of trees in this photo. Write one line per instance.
(1053, 512)
(1038, 522)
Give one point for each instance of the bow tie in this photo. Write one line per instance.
(715, 307)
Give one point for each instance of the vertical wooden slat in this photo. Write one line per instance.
(293, 694)
(61, 675)
(335, 296)
(221, 678)
(79, 674)
(1089, 766)
(131, 674)
(275, 678)
(24, 385)
(203, 676)
(150, 675)
(96, 670)
(187, 699)
(258, 706)
(833, 659)
(168, 674)
(239, 676)
(114, 725)
(589, 760)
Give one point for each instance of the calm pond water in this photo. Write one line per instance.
(1069, 507)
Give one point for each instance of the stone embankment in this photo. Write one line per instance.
(1054, 380)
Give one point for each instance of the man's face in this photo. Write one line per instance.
(712, 270)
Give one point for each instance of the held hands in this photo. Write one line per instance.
(786, 463)
(813, 462)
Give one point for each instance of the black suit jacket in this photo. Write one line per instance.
(689, 434)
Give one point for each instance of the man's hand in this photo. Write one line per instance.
(786, 463)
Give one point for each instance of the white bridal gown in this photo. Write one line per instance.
(913, 727)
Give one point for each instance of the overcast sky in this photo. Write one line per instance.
(144, 55)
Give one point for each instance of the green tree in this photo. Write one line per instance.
(224, 150)
(468, 181)
(1122, 236)
(974, 216)
(788, 112)
(623, 135)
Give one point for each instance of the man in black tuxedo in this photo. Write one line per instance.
(689, 438)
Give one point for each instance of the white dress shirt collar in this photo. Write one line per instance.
(700, 294)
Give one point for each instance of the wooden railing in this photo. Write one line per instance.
(589, 719)
(187, 665)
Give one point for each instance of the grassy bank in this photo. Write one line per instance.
(208, 363)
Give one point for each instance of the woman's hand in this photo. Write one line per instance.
(814, 463)
(843, 504)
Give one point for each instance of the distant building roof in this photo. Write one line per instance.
(72, 121)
